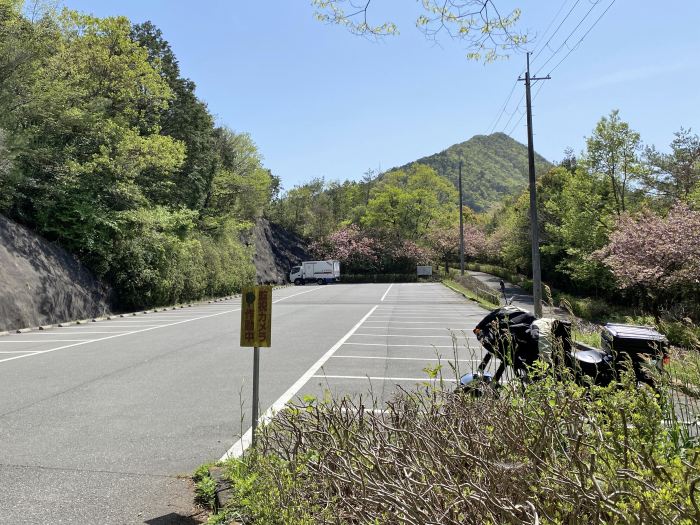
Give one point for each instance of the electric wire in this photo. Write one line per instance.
(504, 106)
(517, 109)
(561, 46)
(582, 38)
(558, 27)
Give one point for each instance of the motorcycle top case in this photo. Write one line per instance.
(633, 339)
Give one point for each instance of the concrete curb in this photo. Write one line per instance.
(223, 486)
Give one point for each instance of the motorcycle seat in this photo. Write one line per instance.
(588, 354)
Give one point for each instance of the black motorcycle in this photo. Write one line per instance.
(517, 339)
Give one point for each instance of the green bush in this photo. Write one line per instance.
(552, 452)
(379, 278)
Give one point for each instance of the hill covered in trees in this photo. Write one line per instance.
(106, 150)
(493, 166)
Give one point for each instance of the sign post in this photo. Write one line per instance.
(256, 331)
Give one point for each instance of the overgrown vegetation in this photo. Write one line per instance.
(106, 149)
(552, 453)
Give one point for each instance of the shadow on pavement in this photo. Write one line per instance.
(174, 519)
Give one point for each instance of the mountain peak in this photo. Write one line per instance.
(493, 166)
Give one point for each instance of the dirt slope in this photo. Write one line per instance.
(41, 283)
(276, 251)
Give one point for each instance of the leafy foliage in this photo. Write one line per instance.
(106, 149)
(493, 166)
(659, 255)
(487, 34)
(552, 452)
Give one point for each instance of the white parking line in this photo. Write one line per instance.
(16, 352)
(429, 347)
(44, 340)
(401, 335)
(387, 291)
(460, 329)
(80, 342)
(403, 358)
(246, 439)
(406, 322)
(376, 378)
(110, 325)
(76, 332)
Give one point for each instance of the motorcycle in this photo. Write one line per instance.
(518, 339)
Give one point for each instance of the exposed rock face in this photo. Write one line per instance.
(276, 251)
(41, 283)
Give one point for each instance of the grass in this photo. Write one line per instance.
(469, 294)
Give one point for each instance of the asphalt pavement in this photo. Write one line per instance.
(104, 422)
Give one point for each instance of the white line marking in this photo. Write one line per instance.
(16, 352)
(77, 332)
(110, 325)
(122, 334)
(404, 358)
(387, 291)
(242, 444)
(402, 335)
(460, 329)
(429, 347)
(375, 378)
(45, 340)
(405, 322)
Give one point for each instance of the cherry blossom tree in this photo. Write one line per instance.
(659, 256)
(356, 251)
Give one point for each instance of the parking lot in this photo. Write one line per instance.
(132, 403)
(414, 329)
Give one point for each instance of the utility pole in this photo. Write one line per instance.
(534, 225)
(461, 224)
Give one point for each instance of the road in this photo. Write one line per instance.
(102, 423)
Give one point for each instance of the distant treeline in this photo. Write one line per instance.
(106, 149)
(618, 221)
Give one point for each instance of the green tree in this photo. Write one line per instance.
(577, 218)
(675, 175)
(86, 139)
(186, 118)
(406, 204)
(487, 33)
(241, 187)
(613, 151)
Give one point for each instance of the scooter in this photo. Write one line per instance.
(517, 339)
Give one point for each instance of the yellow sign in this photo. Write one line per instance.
(256, 316)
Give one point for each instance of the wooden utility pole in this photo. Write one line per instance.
(534, 225)
(461, 224)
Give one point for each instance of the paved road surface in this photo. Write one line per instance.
(101, 423)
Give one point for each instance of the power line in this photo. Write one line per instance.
(515, 110)
(583, 37)
(522, 115)
(510, 95)
(503, 109)
(558, 27)
(561, 46)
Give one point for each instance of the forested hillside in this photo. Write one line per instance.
(493, 166)
(106, 150)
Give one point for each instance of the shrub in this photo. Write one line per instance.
(553, 452)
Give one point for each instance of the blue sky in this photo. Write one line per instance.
(320, 102)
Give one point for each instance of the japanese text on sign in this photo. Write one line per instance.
(256, 316)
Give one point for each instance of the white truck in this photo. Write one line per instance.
(321, 272)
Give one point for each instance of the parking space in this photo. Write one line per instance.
(416, 331)
(26, 344)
